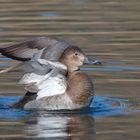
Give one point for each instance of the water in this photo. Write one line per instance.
(100, 106)
(108, 30)
(59, 124)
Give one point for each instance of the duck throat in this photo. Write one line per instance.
(72, 69)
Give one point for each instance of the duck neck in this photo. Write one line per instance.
(72, 69)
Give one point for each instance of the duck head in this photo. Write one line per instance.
(73, 57)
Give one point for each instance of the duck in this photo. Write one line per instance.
(79, 91)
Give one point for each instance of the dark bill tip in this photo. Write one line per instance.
(91, 61)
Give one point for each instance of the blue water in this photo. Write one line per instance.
(100, 107)
(50, 14)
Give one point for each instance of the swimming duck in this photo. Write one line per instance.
(79, 91)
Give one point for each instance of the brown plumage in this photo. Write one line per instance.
(80, 88)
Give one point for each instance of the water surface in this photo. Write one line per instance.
(108, 30)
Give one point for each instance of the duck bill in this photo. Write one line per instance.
(91, 61)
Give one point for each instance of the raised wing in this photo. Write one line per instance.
(46, 48)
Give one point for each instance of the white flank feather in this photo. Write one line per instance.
(52, 86)
(31, 78)
(46, 85)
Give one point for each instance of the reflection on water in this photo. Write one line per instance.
(42, 124)
(79, 125)
(106, 29)
(61, 127)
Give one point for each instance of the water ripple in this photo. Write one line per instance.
(109, 106)
(101, 106)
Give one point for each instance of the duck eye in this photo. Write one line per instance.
(76, 53)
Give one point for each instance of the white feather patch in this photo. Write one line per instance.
(52, 86)
(31, 78)
(46, 85)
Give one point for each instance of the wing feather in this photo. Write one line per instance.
(25, 51)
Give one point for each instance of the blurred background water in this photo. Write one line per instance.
(106, 29)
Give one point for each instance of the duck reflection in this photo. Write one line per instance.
(64, 127)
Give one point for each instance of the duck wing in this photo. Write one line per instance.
(43, 47)
(29, 96)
